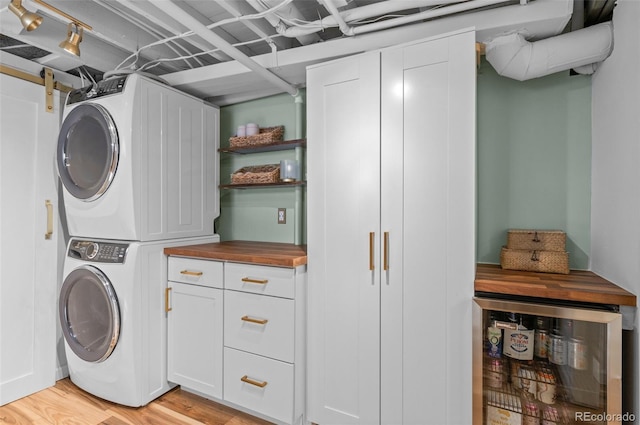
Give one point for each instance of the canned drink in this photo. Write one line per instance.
(542, 344)
(495, 373)
(494, 340)
(550, 416)
(557, 349)
(577, 353)
(527, 378)
(531, 413)
(546, 387)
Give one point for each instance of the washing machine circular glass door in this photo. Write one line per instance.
(87, 153)
(89, 314)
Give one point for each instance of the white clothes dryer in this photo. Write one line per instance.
(138, 161)
(112, 314)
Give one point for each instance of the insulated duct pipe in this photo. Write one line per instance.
(514, 57)
(197, 27)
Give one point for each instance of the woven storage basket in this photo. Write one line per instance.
(539, 240)
(264, 137)
(257, 174)
(534, 261)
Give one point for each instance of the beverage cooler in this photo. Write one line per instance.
(541, 357)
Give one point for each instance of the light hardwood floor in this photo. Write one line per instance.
(67, 404)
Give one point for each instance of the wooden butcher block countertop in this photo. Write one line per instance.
(583, 286)
(264, 253)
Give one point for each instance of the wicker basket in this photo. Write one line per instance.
(534, 261)
(264, 137)
(257, 174)
(538, 240)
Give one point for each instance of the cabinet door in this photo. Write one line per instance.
(28, 261)
(195, 338)
(428, 187)
(343, 210)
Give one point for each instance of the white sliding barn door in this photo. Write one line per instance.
(28, 261)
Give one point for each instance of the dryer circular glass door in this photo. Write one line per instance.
(89, 314)
(87, 152)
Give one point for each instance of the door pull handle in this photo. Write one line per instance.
(372, 236)
(167, 307)
(49, 206)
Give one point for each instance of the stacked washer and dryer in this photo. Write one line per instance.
(138, 163)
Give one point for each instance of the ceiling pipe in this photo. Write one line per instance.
(200, 29)
(304, 38)
(513, 56)
(377, 9)
(333, 10)
(427, 14)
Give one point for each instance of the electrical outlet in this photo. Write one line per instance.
(282, 216)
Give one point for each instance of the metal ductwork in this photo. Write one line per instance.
(513, 56)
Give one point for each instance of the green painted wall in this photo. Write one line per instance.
(251, 214)
(534, 164)
(534, 160)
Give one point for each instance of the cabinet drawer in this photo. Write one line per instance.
(276, 281)
(259, 324)
(197, 272)
(269, 389)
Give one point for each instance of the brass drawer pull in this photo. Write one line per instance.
(386, 251)
(190, 273)
(167, 306)
(260, 281)
(252, 320)
(248, 380)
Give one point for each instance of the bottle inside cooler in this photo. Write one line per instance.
(542, 370)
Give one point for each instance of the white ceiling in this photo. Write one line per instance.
(244, 49)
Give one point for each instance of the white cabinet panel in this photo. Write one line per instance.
(195, 338)
(265, 280)
(260, 324)
(28, 267)
(405, 297)
(343, 241)
(196, 272)
(260, 384)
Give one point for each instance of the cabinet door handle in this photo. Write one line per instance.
(191, 273)
(248, 380)
(49, 206)
(253, 320)
(386, 251)
(372, 236)
(167, 307)
(260, 281)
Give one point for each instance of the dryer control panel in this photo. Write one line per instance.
(98, 251)
(101, 88)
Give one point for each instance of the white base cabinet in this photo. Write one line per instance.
(391, 234)
(237, 335)
(195, 322)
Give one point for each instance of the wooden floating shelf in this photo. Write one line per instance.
(261, 185)
(277, 146)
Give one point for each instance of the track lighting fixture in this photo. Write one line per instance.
(74, 36)
(29, 20)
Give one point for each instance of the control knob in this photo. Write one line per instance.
(92, 250)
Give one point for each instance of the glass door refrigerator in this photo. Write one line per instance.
(544, 361)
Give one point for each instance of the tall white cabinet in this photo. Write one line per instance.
(28, 238)
(391, 234)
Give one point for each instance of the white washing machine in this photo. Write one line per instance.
(138, 161)
(112, 313)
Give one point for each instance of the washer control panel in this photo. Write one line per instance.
(102, 88)
(98, 251)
